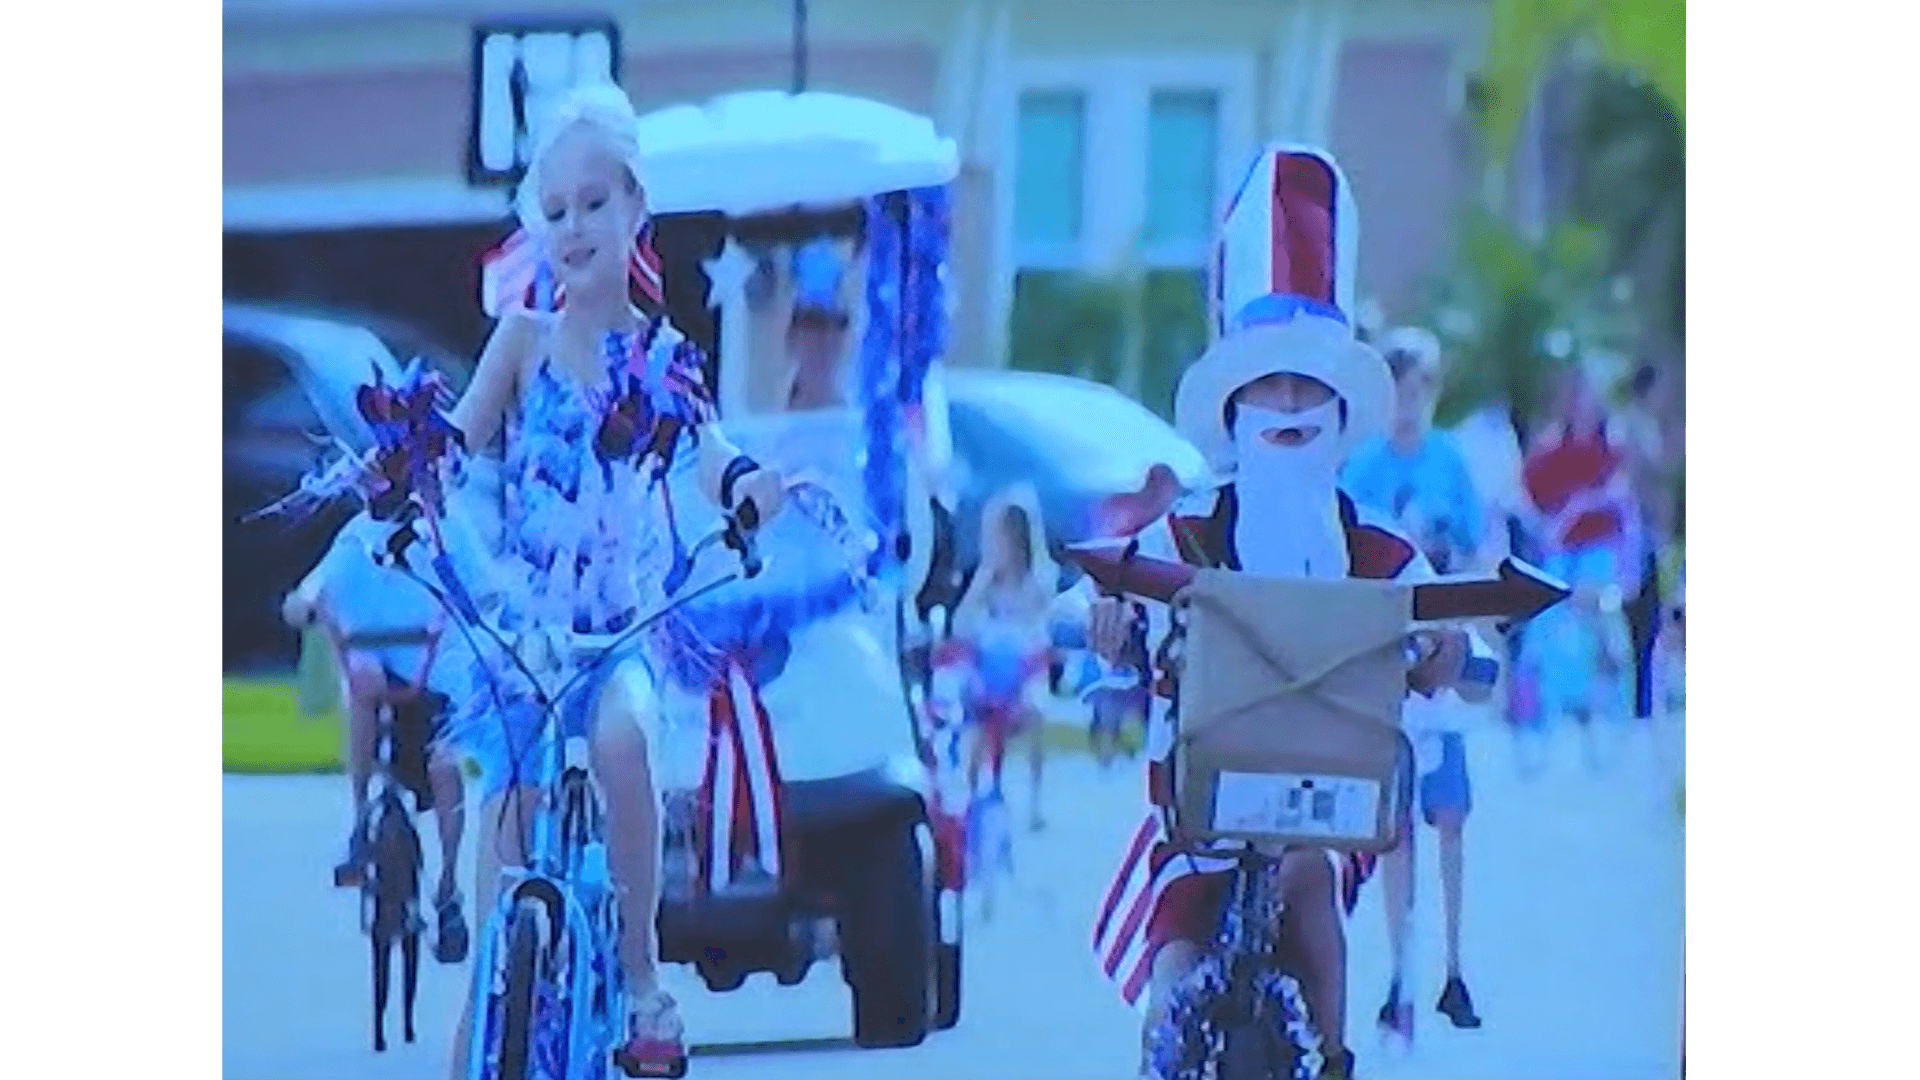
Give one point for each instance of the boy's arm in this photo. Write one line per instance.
(1479, 666)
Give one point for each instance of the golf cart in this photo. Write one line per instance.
(752, 194)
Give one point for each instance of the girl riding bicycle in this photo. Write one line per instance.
(1276, 404)
(588, 545)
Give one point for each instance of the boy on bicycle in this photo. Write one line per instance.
(1276, 404)
(385, 630)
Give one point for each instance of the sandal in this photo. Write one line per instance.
(450, 946)
(656, 1045)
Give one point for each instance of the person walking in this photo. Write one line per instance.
(1418, 478)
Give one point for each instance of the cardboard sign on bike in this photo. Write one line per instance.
(1290, 710)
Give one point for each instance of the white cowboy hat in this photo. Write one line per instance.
(1316, 346)
(1282, 282)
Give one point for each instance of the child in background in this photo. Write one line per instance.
(1005, 620)
(1577, 659)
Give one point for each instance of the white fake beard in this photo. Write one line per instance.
(1288, 523)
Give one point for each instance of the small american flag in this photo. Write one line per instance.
(644, 267)
(509, 275)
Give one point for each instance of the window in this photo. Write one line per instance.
(1183, 166)
(1109, 210)
(1067, 323)
(1049, 182)
(1173, 317)
(1059, 323)
(1183, 170)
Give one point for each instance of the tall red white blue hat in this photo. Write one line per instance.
(1282, 291)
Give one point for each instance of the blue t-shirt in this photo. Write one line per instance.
(1428, 495)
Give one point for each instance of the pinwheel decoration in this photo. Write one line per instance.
(642, 413)
(626, 408)
(325, 483)
(412, 438)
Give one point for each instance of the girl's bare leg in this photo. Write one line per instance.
(366, 684)
(506, 824)
(627, 710)
(1398, 867)
(1038, 725)
(976, 756)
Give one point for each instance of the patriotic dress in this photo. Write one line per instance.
(1159, 893)
(585, 552)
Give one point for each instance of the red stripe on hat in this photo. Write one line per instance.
(1303, 227)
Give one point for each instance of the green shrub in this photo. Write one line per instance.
(262, 731)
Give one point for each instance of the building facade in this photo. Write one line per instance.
(1098, 138)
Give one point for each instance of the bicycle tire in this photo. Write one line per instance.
(516, 1019)
(1246, 1053)
(1257, 1052)
(1206, 1036)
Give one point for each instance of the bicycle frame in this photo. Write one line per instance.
(565, 869)
(562, 874)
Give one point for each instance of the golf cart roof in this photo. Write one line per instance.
(765, 150)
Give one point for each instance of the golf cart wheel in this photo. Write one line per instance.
(516, 1005)
(888, 936)
(720, 977)
(946, 985)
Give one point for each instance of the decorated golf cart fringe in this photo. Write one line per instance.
(906, 333)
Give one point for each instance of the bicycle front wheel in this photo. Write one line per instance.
(524, 932)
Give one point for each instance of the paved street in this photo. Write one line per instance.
(1573, 939)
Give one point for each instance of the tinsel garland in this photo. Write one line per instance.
(1190, 1041)
(906, 333)
(906, 330)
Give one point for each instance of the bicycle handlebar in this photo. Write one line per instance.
(1132, 575)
